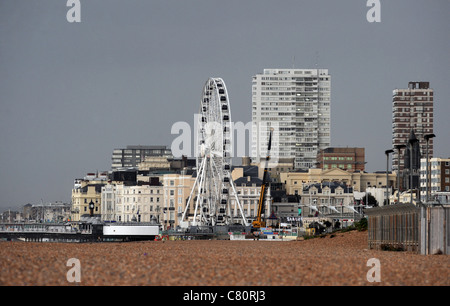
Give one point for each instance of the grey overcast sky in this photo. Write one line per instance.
(72, 92)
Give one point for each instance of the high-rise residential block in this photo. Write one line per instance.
(296, 104)
(412, 111)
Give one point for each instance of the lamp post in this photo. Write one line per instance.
(427, 138)
(387, 152)
(91, 208)
(411, 143)
(398, 147)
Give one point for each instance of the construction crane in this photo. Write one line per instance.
(258, 223)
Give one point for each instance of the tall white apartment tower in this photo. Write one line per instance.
(296, 104)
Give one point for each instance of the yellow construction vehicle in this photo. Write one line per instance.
(259, 223)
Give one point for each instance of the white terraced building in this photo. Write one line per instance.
(297, 104)
(132, 203)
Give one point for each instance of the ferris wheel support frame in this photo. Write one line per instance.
(214, 179)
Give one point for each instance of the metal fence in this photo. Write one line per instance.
(406, 227)
(435, 230)
(394, 227)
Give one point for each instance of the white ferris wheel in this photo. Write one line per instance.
(214, 189)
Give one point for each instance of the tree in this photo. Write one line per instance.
(337, 224)
(361, 225)
(371, 200)
(327, 223)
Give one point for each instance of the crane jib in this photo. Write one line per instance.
(258, 222)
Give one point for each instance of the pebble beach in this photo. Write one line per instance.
(341, 260)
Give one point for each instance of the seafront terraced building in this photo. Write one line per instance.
(358, 181)
(85, 191)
